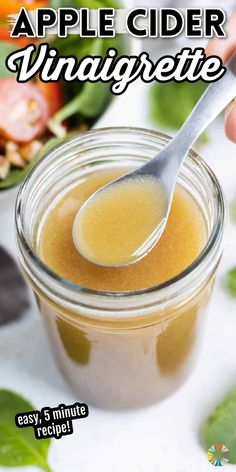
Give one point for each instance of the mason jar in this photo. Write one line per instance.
(119, 349)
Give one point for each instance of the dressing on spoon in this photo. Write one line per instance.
(123, 221)
(115, 224)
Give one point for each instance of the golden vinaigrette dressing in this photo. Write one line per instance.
(115, 224)
(181, 243)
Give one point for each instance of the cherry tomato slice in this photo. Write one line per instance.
(20, 42)
(53, 93)
(23, 111)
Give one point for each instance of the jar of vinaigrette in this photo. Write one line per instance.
(123, 337)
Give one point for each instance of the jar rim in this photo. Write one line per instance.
(216, 238)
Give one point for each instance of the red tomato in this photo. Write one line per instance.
(53, 94)
(8, 7)
(23, 110)
(21, 41)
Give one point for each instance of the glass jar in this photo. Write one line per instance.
(119, 349)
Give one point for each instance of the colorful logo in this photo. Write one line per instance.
(218, 455)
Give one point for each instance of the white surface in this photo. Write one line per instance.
(164, 437)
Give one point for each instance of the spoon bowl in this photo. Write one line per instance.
(109, 231)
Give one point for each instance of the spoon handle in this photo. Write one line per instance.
(211, 103)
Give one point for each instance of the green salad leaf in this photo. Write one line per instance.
(87, 100)
(233, 211)
(17, 175)
(231, 275)
(91, 4)
(18, 446)
(231, 281)
(89, 103)
(92, 97)
(171, 102)
(220, 427)
(6, 48)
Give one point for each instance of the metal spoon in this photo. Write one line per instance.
(166, 165)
